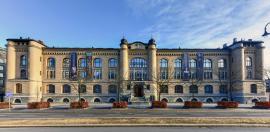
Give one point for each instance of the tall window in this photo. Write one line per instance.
(207, 65)
(248, 68)
(97, 89)
(65, 68)
(163, 69)
(192, 66)
(112, 63)
(178, 89)
(97, 69)
(18, 88)
(66, 89)
(51, 68)
(193, 89)
(138, 69)
(208, 89)
(253, 88)
(248, 62)
(23, 60)
(164, 89)
(82, 63)
(222, 69)
(112, 68)
(82, 88)
(177, 68)
(23, 74)
(112, 89)
(51, 88)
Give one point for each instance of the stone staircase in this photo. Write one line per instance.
(139, 102)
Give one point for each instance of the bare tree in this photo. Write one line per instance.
(77, 87)
(162, 79)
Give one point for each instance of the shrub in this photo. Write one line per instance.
(4, 105)
(262, 105)
(227, 104)
(191, 104)
(121, 104)
(79, 105)
(159, 104)
(38, 105)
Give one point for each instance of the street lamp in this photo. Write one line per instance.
(266, 30)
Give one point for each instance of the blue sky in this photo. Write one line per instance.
(102, 23)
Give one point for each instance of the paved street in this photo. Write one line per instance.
(104, 110)
(137, 129)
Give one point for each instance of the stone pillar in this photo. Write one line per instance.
(259, 65)
(124, 60)
(152, 51)
(11, 57)
(242, 64)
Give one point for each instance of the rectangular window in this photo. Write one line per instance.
(1, 74)
(65, 74)
(1, 67)
(207, 74)
(112, 74)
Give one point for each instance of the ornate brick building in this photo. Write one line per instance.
(132, 72)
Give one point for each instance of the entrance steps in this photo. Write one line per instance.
(139, 102)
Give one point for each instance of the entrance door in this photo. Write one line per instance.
(138, 91)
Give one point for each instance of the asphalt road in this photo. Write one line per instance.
(136, 129)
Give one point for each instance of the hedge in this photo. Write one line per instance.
(227, 104)
(38, 105)
(262, 105)
(159, 104)
(192, 104)
(79, 105)
(4, 105)
(121, 104)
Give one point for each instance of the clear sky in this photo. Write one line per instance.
(102, 23)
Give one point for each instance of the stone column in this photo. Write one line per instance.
(259, 65)
(124, 60)
(11, 59)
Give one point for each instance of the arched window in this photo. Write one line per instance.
(65, 100)
(23, 60)
(209, 100)
(18, 88)
(82, 63)
(66, 62)
(193, 89)
(194, 100)
(49, 100)
(51, 88)
(138, 69)
(192, 63)
(221, 63)
(253, 88)
(97, 63)
(163, 68)
(177, 68)
(112, 100)
(97, 100)
(163, 63)
(178, 89)
(1, 61)
(82, 88)
(23, 74)
(65, 68)
(66, 89)
(177, 63)
(248, 62)
(208, 89)
(179, 100)
(17, 101)
(112, 89)
(138, 62)
(164, 89)
(112, 63)
(97, 89)
(164, 100)
(51, 63)
(207, 63)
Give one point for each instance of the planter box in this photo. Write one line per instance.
(79, 105)
(38, 105)
(159, 104)
(121, 104)
(262, 105)
(190, 104)
(227, 104)
(4, 105)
